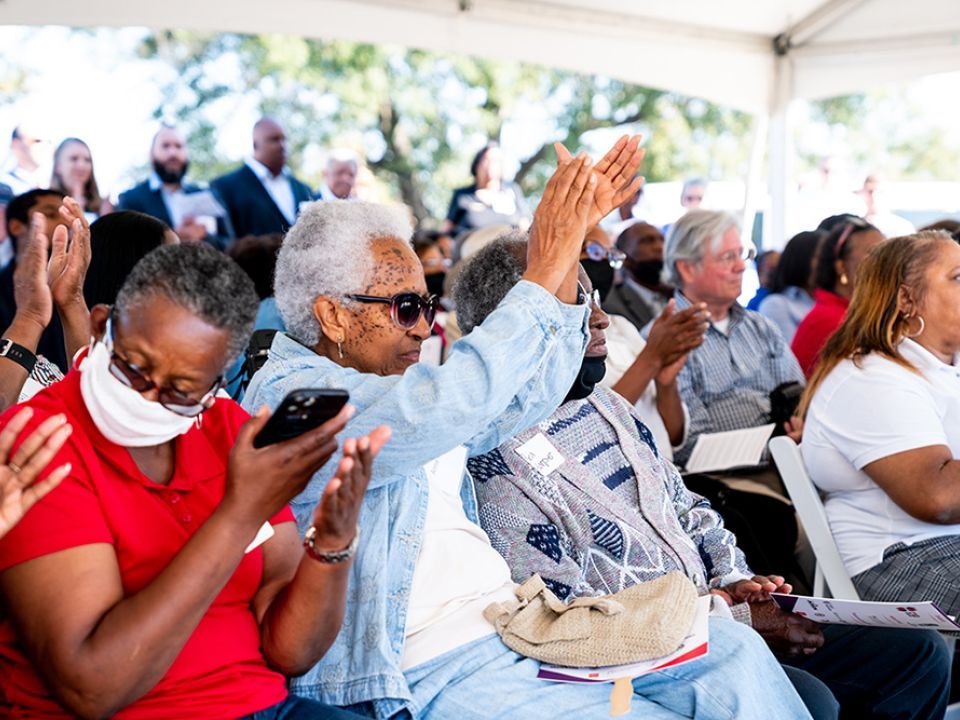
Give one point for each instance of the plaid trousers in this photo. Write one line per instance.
(925, 570)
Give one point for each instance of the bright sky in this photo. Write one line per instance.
(81, 83)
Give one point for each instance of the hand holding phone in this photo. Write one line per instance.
(299, 412)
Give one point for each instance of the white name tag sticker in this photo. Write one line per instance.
(540, 454)
(263, 534)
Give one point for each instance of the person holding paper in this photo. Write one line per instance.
(415, 641)
(727, 381)
(586, 500)
(195, 214)
(883, 419)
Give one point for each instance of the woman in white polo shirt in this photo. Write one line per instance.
(882, 434)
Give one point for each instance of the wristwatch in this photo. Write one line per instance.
(18, 353)
(330, 558)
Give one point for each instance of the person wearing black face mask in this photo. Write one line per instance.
(600, 260)
(641, 296)
(588, 500)
(161, 194)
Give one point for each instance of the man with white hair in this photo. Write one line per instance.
(340, 177)
(727, 381)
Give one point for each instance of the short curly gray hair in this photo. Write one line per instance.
(327, 252)
(204, 281)
(487, 277)
(688, 238)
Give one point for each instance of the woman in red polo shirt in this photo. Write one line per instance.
(164, 576)
(839, 255)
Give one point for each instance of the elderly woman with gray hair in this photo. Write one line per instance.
(352, 294)
(189, 593)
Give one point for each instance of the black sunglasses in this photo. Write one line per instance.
(407, 308)
(173, 400)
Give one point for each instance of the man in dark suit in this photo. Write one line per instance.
(263, 196)
(641, 296)
(160, 194)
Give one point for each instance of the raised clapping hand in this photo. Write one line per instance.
(70, 255)
(31, 290)
(335, 517)
(18, 492)
(559, 225)
(615, 174)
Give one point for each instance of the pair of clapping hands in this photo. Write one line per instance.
(52, 270)
(786, 633)
(577, 196)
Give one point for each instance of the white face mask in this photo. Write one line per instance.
(122, 414)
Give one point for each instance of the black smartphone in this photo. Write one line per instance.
(301, 411)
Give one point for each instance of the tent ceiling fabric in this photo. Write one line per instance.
(720, 51)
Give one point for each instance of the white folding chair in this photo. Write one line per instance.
(831, 578)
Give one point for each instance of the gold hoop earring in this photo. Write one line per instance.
(919, 332)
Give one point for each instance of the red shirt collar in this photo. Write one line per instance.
(195, 459)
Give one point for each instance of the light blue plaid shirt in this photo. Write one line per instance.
(726, 382)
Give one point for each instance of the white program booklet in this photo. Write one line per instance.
(731, 449)
(923, 615)
(198, 204)
(695, 645)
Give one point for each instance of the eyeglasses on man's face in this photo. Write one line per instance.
(133, 377)
(596, 251)
(731, 257)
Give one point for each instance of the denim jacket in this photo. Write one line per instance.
(510, 373)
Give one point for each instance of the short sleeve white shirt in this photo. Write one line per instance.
(862, 414)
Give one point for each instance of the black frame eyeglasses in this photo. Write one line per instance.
(133, 377)
(596, 251)
(406, 308)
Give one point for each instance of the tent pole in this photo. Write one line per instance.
(781, 154)
(751, 194)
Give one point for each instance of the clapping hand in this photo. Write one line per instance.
(560, 224)
(335, 518)
(18, 492)
(70, 255)
(31, 290)
(673, 335)
(616, 176)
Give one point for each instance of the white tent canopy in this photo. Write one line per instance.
(755, 55)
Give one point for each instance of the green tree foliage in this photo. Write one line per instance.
(419, 116)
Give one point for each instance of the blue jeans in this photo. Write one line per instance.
(297, 708)
(739, 678)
